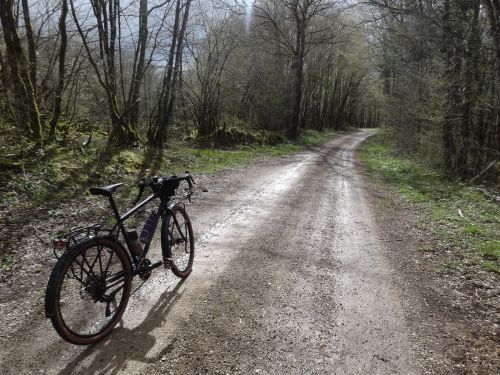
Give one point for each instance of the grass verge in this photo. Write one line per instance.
(458, 214)
(57, 173)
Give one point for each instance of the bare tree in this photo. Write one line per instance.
(108, 65)
(297, 32)
(210, 55)
(157, 133)
(139, 66)
(62, 70)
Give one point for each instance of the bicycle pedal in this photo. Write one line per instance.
(167, 263)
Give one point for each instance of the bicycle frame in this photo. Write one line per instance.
(120, 219)
(95, 264)
(165, 192)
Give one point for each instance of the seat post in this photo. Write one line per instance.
(113, 207)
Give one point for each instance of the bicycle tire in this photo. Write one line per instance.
(177, 240)
(77, 290)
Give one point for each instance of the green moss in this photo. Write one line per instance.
(8, 198)
(209, 161)
(310, 137)
(125, 161)
(444, 214)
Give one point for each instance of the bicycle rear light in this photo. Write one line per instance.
(59, 243)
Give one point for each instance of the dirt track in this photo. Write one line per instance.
(290, 276)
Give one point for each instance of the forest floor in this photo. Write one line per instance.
(305, 263)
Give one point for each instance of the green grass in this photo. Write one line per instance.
(6, 263)
(490, 250)
(456, 212)
(211, 160)
(473, 230)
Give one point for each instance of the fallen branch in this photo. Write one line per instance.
(484, 171)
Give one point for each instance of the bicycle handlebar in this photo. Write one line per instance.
(157, 183)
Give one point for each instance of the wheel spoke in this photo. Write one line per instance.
(99, 249)
(109, 263)
(91, 268)
(82, 270)
(93, 292)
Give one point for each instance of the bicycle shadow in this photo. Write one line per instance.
(123, 345)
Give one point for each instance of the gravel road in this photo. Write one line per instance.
(290, 277)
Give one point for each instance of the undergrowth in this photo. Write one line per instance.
(47, 175)
(458, 213)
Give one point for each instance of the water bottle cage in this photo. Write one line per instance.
(144, 236)
(148, 229)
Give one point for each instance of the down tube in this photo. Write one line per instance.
(155, 227)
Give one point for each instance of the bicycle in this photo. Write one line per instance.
(90, 284)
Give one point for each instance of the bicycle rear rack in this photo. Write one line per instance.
(66, 241)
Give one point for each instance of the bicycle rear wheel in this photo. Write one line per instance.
(178, 241)
(88, 291)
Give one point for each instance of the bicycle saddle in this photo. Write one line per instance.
(105, 190)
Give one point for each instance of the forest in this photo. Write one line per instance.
(345, 208)
(132, 74)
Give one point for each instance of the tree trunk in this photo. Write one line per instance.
(27, 107)
(139, 62)
(297, 71)
(157, 135)
(178, 60)
(62, 70)
(467, 149)
(31, 43)
(451, 96)
(493, 11)
(298, 79)
(157, 131)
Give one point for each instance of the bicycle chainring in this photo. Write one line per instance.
(144, 269)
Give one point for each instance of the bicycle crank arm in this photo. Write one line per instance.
(148, 268)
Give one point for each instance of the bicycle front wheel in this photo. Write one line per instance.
(88, 291)
(177, 241)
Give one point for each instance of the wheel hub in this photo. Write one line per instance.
(95, 285)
